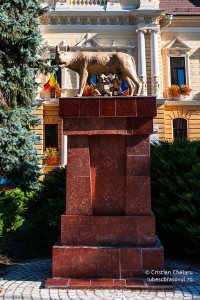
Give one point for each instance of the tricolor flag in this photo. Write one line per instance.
(46, 85)
(125, 88)
(52, 81)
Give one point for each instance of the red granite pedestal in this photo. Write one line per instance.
(108, 237)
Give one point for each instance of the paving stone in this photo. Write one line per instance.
(26, 281)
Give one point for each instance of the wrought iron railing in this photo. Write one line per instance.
(80, 2)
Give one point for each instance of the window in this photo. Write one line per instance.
(177, 68)
(180, 129)
(51, 135)
(177, 62)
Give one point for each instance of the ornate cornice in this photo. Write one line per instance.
(83, 18)
(74, 19)
(182, 20)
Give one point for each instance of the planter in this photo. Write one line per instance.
(180, 93)
(186, 98)
(174, 99)
(181, 98)
(52, 93)
(51, 162)
(52, 157)
(55, 93)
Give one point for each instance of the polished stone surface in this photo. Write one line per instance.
(108, 175)
(107, 107)
(108, 233)
(107, 125)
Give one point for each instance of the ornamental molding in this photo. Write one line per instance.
(87, 20)
(180, 21)
(155, 85)
(89, 43)
(147, 28)
(108, 19)
(177, 46)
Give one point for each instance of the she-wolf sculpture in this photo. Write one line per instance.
(98, 63)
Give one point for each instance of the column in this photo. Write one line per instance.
(48, 55)
(63, 79)
(64, 149)
(155, 80)
(187, 69)
(142, 61)
(77, 79)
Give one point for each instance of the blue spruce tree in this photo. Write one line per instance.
(20, 62)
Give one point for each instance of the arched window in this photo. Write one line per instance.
(180, 129)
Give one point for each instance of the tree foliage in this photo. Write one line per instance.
(21, 61)
(18, 156)
(175, 178)
(20, 51)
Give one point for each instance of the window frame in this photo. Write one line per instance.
(45, 146)
(173, 137)
(186, 57)
(177, 69)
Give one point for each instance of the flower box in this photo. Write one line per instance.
(52, 157)
(179, 93)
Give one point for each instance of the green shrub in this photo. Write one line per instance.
(48, 203)
(32, 220)
(41, 228)
(175, 183)
(13, 205)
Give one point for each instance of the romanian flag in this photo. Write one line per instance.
(125, 88)
(46, 85)
(52, 81)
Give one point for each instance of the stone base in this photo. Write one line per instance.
(108, 267)
(108, 231)
(106, 284)
(108, 237)
(106, 262)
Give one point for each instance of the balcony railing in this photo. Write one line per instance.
(88, 2)
(67, 3)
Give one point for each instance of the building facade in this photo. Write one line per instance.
(164, 39)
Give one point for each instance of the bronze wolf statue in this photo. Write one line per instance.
(98, 63)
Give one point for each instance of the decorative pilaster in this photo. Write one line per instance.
(48, 55)
(142, 61)
(63, 79)
(77, 78)
(155, 80)
(64, 149)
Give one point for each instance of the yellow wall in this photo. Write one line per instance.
(190, 113)
(49, 113)
(182, 27)
(192, 40)
(39, 129)
(159, 120)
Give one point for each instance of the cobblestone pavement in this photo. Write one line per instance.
(25, 281)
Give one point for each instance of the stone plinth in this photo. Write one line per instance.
(108, 234)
